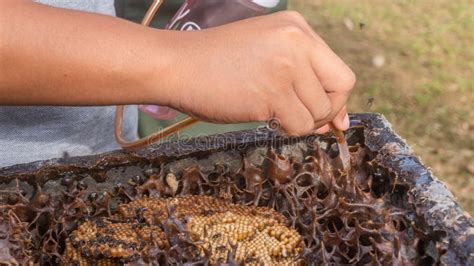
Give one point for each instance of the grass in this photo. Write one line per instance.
(425, 87)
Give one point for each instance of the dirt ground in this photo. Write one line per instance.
(415, 64)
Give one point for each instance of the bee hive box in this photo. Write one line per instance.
(251, 197)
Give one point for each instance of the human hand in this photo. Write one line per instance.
(273, 66)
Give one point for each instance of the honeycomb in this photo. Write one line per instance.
(73, 256)
(126, 240)
(256, 241)
(153, 210)
(257, 234)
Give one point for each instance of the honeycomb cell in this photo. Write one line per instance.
(126, 241)
(257, 240)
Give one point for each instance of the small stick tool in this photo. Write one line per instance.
(344, 154)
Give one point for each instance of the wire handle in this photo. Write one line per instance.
(165, 132)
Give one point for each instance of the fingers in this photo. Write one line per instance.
(311, 93)
(321, 81)
(338, 84)
(310, 104)
(338, 101)
(341, 121)
(294, 117)
(333, 75)
(322, 129)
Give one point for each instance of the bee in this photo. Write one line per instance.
(370, 101)
(221, 248)
(96, 253)
(251, 260)
(119, 186)
(100, 223)
(216, 236)
(81, 185)
(207, 212)
(92, 196)
(101, 240)
(86, 253)
(135, 226)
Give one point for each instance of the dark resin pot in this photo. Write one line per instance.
(414, 218)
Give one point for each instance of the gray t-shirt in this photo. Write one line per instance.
(36, 133)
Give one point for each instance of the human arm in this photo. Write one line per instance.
(253, 70)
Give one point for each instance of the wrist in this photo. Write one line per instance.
(158, 71)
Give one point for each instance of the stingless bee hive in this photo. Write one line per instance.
(250, 197)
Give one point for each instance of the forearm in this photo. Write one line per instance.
(256, 69)
(52, 56)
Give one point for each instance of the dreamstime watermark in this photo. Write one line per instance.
(269, 133)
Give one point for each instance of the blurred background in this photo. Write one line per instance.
(415, 64)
